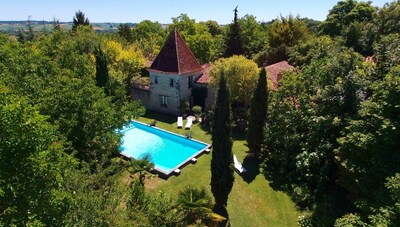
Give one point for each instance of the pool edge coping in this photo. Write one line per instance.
(208, 146)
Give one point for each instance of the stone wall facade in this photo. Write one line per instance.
(167, 91)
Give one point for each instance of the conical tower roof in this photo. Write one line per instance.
(175, 57)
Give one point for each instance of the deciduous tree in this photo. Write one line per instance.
(344, 13)
(32, 162)
(241, 76)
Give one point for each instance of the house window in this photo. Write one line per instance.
(190, 82)
(171, 83)
(164, 100)
(155, 80)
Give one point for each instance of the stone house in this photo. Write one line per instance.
(173, 75)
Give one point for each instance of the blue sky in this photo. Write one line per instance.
(163, 10)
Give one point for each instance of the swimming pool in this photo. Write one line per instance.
(168, 151)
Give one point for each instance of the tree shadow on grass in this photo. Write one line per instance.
(252, 165)
(221, 210)
(162, 117)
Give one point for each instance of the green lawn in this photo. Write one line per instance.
(252, 201)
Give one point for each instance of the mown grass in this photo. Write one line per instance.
(252, 202)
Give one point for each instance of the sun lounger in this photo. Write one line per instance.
(238, 165)
(189, 123)
(180, 122)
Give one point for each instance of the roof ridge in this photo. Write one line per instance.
(177, 50)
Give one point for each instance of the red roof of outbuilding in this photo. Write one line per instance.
(175, 57)
(205, 77)
(275, 71)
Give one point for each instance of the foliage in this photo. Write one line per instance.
(241, 75)
(96, 197)
(197, 111)
(254, 36)
(195, 204)
(315, 48)
(152, 210)
(124, 31)
(234, 38)
(214, 28)
(388, 17)
(387, 215)
(125, 62)
(300, 144)
(141, 166)
(258, 115)
(387, 53)
(32, 164)
(184, 107)
(370, 142)
(80, 20)
(149, 37)
(360, 36)
(284, 32)
(58, 75)
(344, 13)
(222, 177)
(102, 77)
(197, 37)
(287, 31)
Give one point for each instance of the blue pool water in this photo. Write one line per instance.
(168, 151)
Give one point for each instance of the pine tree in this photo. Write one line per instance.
(258, 115)
(234, 40)
(80, 19)
(222, 177)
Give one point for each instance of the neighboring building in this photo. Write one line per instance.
(275, 72)
(172, 76)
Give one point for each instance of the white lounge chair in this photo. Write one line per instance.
(238, 165)
(180, 122)
(189, 123)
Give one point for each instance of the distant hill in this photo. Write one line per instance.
(12, 27)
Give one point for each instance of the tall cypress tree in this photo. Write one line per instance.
(258, 115)
(234, 41)
(102, 76)
(222, 177)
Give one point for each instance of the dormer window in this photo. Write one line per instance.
(171, 83)
(155, 80)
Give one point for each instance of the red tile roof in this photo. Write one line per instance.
(175, 57)
(205, 77)
(275, 71)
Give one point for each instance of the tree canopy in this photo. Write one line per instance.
(241, 75)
